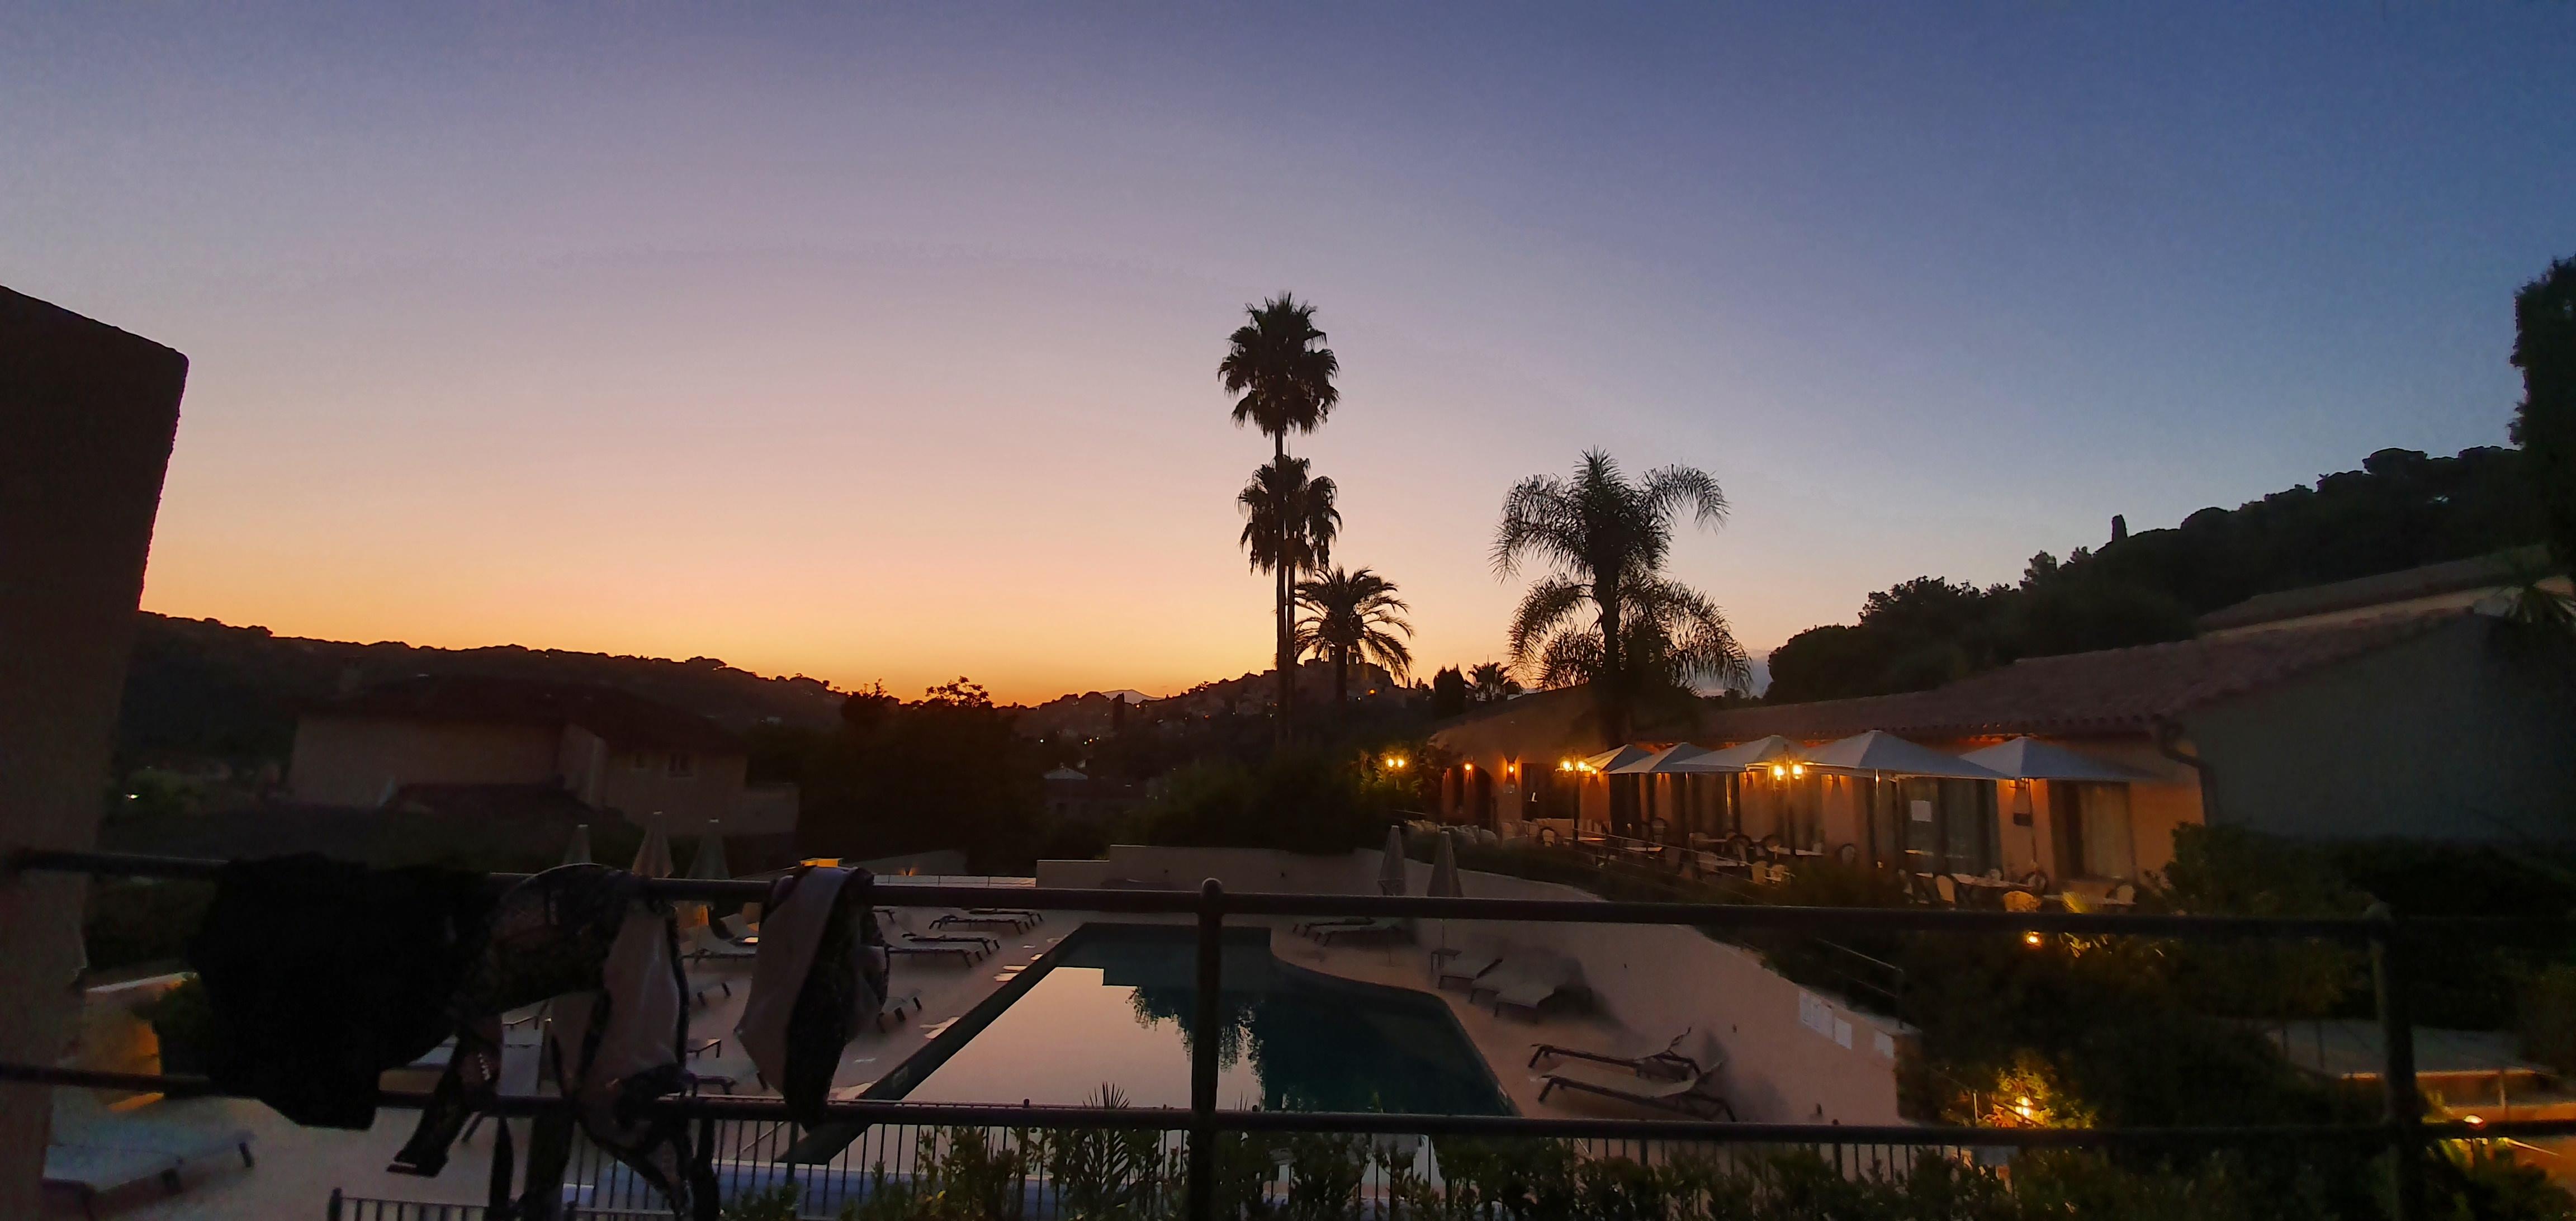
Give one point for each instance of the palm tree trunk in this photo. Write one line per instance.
(1287, 670)
(1341, 679)
(1610, 701)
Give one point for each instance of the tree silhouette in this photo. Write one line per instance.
(1282, 378)
(1289, 521)
(1348, 615)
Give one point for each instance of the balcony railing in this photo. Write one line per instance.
(1194, 1136)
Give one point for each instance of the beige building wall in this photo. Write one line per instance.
(359, 761)
(644, 784)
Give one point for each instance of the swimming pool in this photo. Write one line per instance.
(1111, 1004)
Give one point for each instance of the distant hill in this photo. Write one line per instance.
(199, 689)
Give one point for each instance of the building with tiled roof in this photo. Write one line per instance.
(2439, 722)
(437, 740)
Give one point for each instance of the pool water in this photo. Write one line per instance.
(1112, 1005)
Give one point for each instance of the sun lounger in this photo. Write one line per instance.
(1669, 1064)
(1025, 917)
(743, 932)
(1310, 927)
(966, 954)
(1466, 968)
(1374, 928)
(1526, 984)
(890, 1010)
(971, 920)
(80, 1120)
(702, 944)
(94, 1171)
(1695, 1095)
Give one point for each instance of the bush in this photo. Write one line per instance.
(139, 920)
(184, 1023)
(1297, 801)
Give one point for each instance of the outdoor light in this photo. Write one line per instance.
(1467, 767)
(1797, 769)
(1565, 765)
(1778, 771)
(2030, 939)
(2473, 1120)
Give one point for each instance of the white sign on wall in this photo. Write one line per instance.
(1815, 1014)
(1921, 810)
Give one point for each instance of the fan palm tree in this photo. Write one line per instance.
(1348, 615)
(1606, 538)
(1491, 682)
(1282, 378)
(1289, 521)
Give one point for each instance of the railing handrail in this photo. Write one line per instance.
(1551, 911)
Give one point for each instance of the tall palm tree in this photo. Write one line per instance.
(1491, 682)
(1282, 378)
(1348, 615)
(1289, 521)
(1606, 538)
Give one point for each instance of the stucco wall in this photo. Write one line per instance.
(1654, 980)
(713, 789)
(2453, 735)
(348, 761)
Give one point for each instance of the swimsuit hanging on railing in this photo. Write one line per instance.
(586, 937)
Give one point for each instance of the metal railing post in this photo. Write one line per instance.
(2402, 1102)
(1205, 1037)
(332, 1213)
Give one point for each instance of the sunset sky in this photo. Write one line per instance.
(879, 342)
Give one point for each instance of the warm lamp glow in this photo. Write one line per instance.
(1467, 766)
(1797, 769)
(2030, 939)
(1565, 765)
(1778, 771)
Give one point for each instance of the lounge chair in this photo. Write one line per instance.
(743, 932)
(890, 1010)
(701, 944)
(1666, 1065)
(1334, 934)
(965, 954)
(1025, 917)
(1466, 968)
(1528, 984)
(971, 920)
(1308, 927)
(80, 1120)
(1695, 1095)
(93, 1171)
(898, 927)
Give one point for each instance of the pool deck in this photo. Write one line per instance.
(298, 1167)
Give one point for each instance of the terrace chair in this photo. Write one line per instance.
(1946, 889)
(1695, 1095)
(743, 932)
(97, 1151)
(903, 928)
(1666, 1065)
(965, 949)
(1309, 927)
(1527, 985)
(1333, 934)
(968, 919)
(1024, 917)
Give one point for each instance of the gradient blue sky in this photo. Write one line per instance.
(878, 342)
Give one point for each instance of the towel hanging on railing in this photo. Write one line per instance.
(821, 968)
(322, 974)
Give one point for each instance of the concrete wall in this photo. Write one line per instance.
(356, 761)
(2457, 734)
(1656, 981)
(87, 413)
(640, 785)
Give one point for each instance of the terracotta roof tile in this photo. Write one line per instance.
(2111, 691)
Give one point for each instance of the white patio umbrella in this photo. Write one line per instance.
(578, 851)
(653, 858)
(1743, 756)
(1878, 752)
(1390, 866)
(2032, 759)
(1673, 758)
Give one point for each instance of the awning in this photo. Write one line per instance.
(2032, 759)
(1744, 755)
(1673, 758)
(1882, 753)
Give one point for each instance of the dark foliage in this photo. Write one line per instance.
(1298, 800)
(2401, 510)
(944, 771)
(2544, 348)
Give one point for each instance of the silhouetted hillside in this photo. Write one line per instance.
(198, 688)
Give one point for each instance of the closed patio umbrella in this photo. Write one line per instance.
(1390, 866)
(1444, 878)
(578, 851)
(1881, 753)
(710, 863)
(653, 858)
(2032, 759)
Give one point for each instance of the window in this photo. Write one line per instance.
(2103, 818)
(682, 766)
(641, 761)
